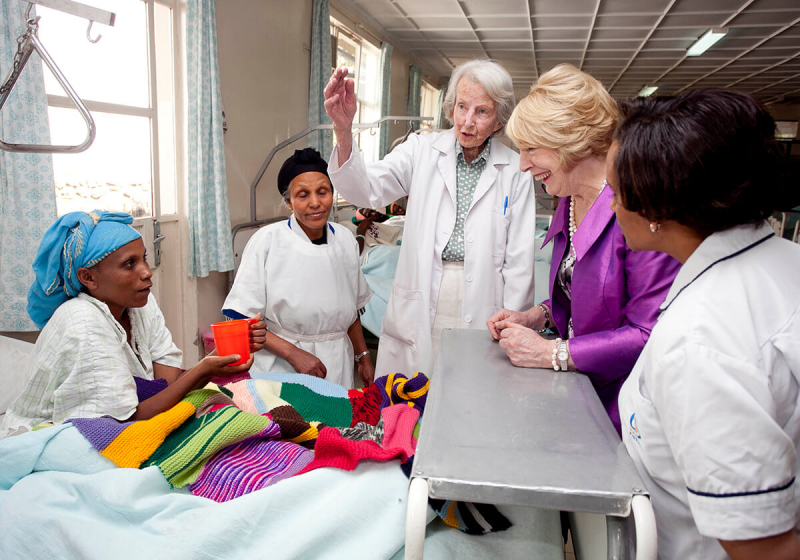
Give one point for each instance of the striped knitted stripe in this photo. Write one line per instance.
(139, 440)
(197, 440)
(250, 465)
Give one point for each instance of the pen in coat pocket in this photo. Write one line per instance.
(505, 206)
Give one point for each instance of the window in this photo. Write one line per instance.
(427, 106)
(362, 59)
(131, 166)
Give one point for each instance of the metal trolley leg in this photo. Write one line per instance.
(416, 515)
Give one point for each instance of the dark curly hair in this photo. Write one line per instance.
(707, 159)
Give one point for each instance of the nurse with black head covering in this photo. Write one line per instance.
(303, 276)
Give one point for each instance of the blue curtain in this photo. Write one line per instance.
(27, 189)
(209, 216)
(414, 93)
(322, 140)
(439, 120)
(386, 96)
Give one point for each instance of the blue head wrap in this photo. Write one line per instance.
(76, 240)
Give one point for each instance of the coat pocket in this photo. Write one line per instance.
(404, 317)
(501, 218)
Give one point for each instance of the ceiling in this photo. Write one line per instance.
(626, 44)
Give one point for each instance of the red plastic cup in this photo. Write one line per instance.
(233, 337)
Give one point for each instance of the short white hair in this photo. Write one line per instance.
(493, 78)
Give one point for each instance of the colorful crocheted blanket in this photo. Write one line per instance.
(225, 441)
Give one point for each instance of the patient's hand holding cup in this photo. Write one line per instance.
(233, 337)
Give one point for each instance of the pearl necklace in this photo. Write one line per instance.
(572, 225)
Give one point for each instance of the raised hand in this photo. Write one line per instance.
(340, 101)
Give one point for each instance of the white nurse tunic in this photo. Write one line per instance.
(308, 294)
(711, 411)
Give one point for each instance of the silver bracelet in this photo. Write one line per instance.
(546, 318)
(364, 353)
(555, 352)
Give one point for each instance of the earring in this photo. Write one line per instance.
(655, 226)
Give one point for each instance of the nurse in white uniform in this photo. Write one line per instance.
(303, 275)
(711, 411)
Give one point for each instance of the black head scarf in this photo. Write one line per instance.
(303, 161)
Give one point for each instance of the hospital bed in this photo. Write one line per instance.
(59, 498)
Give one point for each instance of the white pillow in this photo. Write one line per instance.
(16, 359)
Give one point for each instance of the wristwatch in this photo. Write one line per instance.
(563, 356)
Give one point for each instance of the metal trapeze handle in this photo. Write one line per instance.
(27, 44)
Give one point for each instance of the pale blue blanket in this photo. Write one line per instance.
(60, 499)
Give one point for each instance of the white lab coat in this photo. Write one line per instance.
(308, 294)
(499, 239)
(711, 411)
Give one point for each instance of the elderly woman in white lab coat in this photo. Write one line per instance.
(468, 240)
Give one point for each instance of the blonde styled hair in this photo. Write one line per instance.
(567, 111)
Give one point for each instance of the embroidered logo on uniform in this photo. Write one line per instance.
(634, 430)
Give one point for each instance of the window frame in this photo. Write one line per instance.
(153, 111)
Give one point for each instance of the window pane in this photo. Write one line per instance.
(346, 54)
(113, 174)
(166, 111)
(119, 59)
(430, 96)
(368, 91)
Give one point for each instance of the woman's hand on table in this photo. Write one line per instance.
(366, 371)
(305, 362)
(525, 348)
(258, 334)
(505, 317)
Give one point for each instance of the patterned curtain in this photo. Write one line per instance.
(27, 189)
(320, 73)
(386, 96)
(209, 216)
(439, 121)
(414, 93)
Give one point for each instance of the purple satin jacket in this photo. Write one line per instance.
(616, 293)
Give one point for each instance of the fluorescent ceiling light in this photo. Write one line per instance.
(706, 41)
(647, 91)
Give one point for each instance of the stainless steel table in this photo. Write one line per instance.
(495, 433)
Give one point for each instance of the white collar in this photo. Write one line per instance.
(714, 249)
(298, 230)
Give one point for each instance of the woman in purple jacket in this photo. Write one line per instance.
(604, 298)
